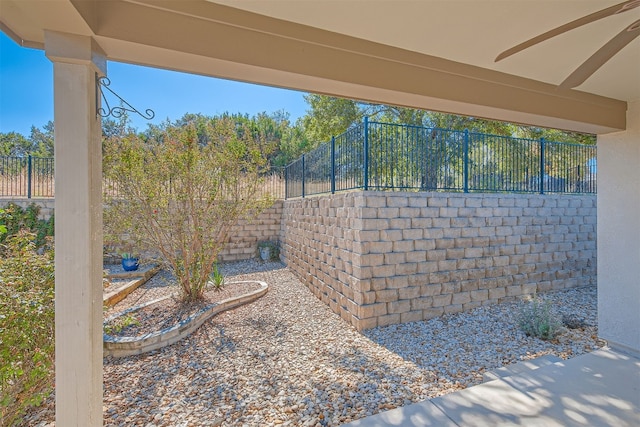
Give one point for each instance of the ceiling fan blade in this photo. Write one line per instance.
(605, 53)
(612, 10)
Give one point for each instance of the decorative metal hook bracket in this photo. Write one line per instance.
(117, 112)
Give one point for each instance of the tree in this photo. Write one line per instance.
(118, 127)
(14, 144)
(42, 140)
(271, 127)
(329, 117)
(430, 152)
(293, 144)
(181, 198)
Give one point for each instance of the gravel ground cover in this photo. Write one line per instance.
(167, 312)
(286, 359)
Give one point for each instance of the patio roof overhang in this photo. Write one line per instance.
(310, 52)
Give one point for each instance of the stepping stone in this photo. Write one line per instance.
(517, 368)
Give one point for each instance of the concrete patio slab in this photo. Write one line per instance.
(517, 368)
(421, 414)
(601, 388)
(496, 403)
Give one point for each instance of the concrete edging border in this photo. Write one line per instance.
(129, 346)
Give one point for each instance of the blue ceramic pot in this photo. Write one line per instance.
(130, 264)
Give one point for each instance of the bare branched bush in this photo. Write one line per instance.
(181, 198)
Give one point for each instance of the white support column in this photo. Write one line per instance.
(619, 235)
(78, 234)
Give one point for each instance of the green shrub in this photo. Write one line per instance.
(274, 249)
(119, 323)
(13, 218)
(26, 326)
(537, 319)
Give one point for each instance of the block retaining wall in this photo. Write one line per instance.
(244, 236)
(380, 258)
(47, 205)
(243, 243)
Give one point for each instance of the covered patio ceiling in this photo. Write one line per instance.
(430, 54)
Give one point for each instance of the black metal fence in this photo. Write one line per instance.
(26, 177)
(386, 156)
(29, 177)
(270, 184)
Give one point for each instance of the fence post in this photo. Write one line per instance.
(366, 153)
(541, 166)
(465, 173)
(286, 182)
(303, 175)
(333, 165)
(29, 171)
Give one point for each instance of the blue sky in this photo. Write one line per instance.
(26, 92)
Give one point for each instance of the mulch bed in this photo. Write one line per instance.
(171, 311)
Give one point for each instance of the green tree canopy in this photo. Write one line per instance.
(14, 144)
(42, 140)
(329, 116)
(39, 143)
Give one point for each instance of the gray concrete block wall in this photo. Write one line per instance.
(242, 244)
(379, 258)
(47, 205)
(244, 237)
(320, 244)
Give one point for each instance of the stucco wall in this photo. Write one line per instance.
(379, 258)
(619, 234)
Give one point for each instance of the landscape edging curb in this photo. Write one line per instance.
(129, 346)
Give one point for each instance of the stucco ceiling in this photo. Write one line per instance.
(431, 54)
(475, 32)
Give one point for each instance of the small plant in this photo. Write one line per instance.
(537, 319)
(271, 247)
(129, 261)
(218, 278)
(119, 323)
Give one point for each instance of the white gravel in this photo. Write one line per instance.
(286, 359)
